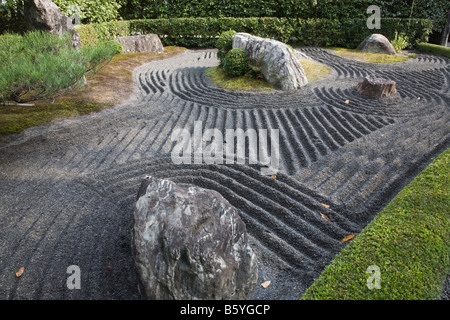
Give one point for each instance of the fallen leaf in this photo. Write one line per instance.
(347, 101)
(350, 236)
(273, 176)
(326, 218)
(325, 205)
(20, 272)
(265, 284)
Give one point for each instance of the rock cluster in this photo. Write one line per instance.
(277, 61)
(190, 243)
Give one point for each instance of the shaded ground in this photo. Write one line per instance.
(67, 190)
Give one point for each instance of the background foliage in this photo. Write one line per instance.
(91, 10)
(11, 11)
(434, 10)
(203, 32)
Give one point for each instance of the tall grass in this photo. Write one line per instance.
(40, 65)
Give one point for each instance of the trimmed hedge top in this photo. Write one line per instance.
(203, 32)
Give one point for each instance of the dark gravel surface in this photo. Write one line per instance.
(67, 190)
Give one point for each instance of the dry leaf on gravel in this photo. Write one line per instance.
(20, 272)
(350, 236)
(326, 218)
(265, 284)
(325, 205)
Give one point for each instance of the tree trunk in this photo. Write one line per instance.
(446, 31)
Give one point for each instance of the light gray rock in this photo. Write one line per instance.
(45, 15)
(141, 43)
(190, 243)
(278, 63)
(377, 43)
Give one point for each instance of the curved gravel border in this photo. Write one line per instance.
(67, 190)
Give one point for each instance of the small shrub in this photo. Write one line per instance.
(88, 36)
(400, 42)
(236, 63)
(224, 44)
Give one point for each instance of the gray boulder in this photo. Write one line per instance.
(377, 43)
(141, 43)
(278, 63)
(45, 15)
(190, 243)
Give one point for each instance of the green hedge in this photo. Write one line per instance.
(434, 10)
(203, 32)
(434, 48)
(12, 17)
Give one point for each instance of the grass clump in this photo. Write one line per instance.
(367, 56)
(400, 42)
(408, 240)
(39, 65)
(111, 85)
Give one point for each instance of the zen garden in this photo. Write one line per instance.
(254, 150)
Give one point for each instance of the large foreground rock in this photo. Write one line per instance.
(141, 43)
(45, 15)
(377, 43)
(277, 61)
(190, 243)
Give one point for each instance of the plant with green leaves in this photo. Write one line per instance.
(400, 41)
(236, 63)
(91, 10)
(40, 65)
(224, 44)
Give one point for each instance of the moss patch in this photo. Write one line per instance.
(314, 71)
(367, 56)
(15, 119)
(244, 83)
(110, 85)
(408, 241)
